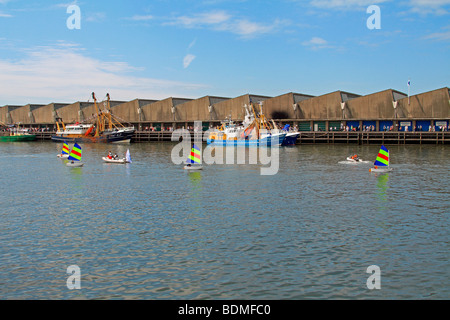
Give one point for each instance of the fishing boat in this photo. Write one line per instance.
(195, 159)
(17, 134)
(75, 157)
(381, 164)
(64, 152)
(104, 127)
(127, 159)
(255, 130)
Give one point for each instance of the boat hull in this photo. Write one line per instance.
(75, 164)
(19, 138)
(193, 168)
(380, 170)
(118, 161)
(268, 141)
(290, 139)
(119, 137)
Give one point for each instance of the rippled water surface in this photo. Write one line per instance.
(150, 230)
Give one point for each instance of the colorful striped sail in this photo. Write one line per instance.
(382, 158)
(65, 149)
(75, 154)
(195, 156)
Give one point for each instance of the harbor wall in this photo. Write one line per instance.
(164, 110)
(378, 105)
(329, 110)
(131, 111)
(285, 106)
(202, 109)
(234, 107)
(429, 105)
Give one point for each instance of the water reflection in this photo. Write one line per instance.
(382, 187)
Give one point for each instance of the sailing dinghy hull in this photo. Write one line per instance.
(193, 168)
(118, 161)
(75, 164)
(380, 170)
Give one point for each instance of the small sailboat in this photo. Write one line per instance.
(75, 157)
(195, 159)
(382, 162)
(354, 158)
(127, 159)
(64, 152)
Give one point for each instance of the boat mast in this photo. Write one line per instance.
(109, 112)
(97, 131)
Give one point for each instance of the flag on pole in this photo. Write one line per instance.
(409, 86)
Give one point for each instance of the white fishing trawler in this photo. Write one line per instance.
(254, 130)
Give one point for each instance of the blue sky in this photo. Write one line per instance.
(189, 49)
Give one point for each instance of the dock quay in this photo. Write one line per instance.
(320, 137)
(385, 117)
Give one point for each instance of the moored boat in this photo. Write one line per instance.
(254, 131)
(17, 134)
(104, 128)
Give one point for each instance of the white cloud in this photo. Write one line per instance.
(201, 19)
(429, 6)
(317, 43)
(222, 21)
(432, 3)
(439, 36)
(5, 15)
(141, 18)
(63, 73)
(187, 60)
(334, 4)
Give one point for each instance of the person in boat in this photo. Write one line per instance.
(110, 155)
(116, 157)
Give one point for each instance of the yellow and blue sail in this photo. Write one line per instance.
(383, 157)
(65, 148)
(195, 156)
(75, 154)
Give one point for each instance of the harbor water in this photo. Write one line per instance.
(151, 230)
